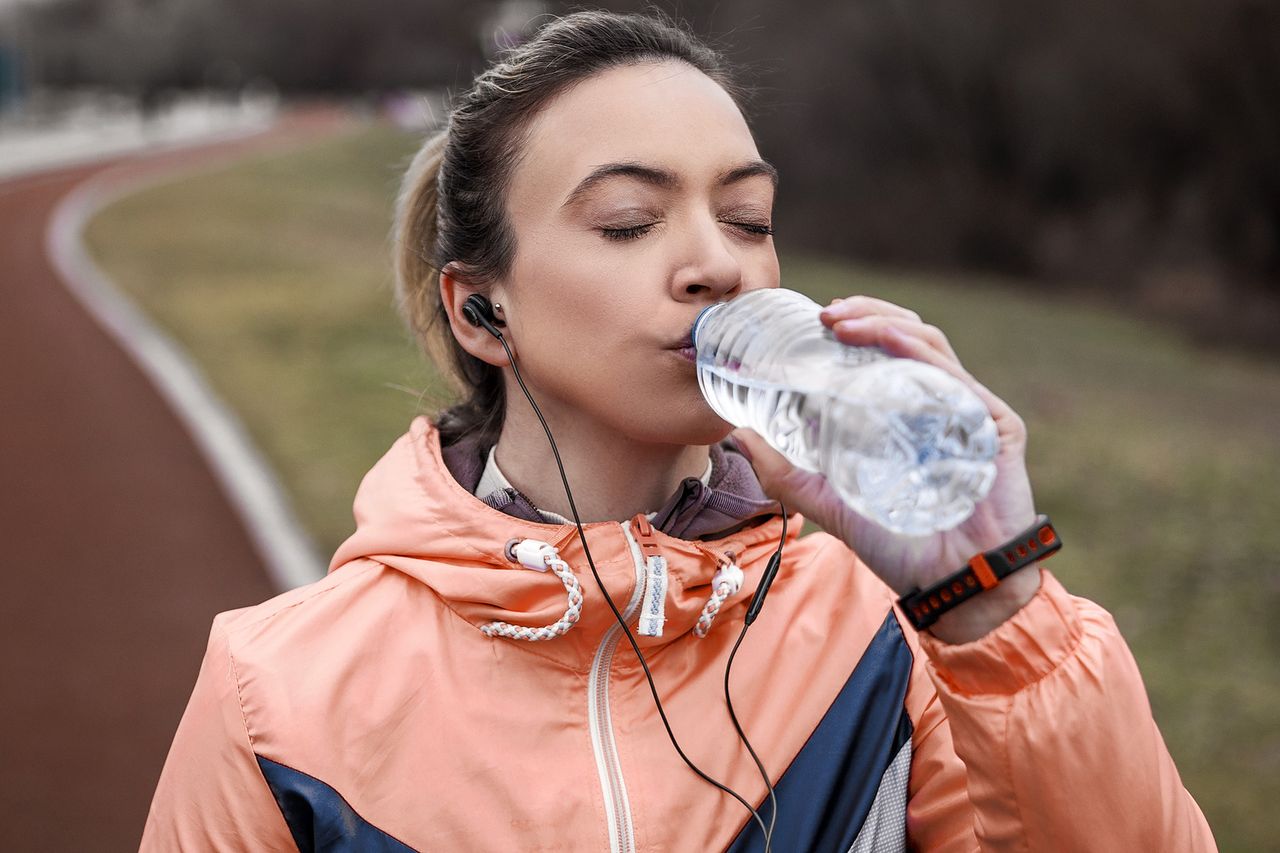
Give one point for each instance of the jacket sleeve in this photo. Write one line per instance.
(212, 795)
(1040, 737)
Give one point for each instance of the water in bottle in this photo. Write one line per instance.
(905, 444)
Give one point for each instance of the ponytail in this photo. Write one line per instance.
(417, 272)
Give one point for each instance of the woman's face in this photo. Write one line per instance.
(639, 199)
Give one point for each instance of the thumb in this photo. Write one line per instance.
(801, 491)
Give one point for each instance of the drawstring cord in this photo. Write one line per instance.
(726, 583)
(540, 556)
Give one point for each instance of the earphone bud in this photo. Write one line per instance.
(479, 312)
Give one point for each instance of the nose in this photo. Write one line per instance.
(710, 270)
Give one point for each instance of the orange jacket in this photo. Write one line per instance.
(368, 711)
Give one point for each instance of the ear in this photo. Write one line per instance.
(474, 339)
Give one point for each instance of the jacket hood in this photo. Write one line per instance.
(415, 518)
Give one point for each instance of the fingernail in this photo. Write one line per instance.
(741, 447)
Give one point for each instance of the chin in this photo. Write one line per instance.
(684, 425)
(715, 433)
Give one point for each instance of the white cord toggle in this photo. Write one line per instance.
(726, 582)
(532, 554)
(540, 556)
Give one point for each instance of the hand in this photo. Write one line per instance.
(905, 562)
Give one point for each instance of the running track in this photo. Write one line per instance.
(116, 545)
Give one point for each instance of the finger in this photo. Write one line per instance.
(771, 466)
(800, 491)
(874, 331)
(897, 343)
(904, 339)
(864, 306)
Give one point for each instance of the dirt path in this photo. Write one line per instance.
(116, 544)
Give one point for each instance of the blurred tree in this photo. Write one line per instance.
(1124, 144)
(302, 46)
(1127, 144)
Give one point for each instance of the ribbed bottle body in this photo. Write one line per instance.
(904, 443)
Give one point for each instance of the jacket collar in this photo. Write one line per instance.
(730, 500)
(416, 519)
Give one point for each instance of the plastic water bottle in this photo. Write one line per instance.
(904, 443)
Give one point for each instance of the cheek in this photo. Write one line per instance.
(560, 274)
(583, 309)
(598, 371)
(765, 269)
(570, 346)
(583, 347)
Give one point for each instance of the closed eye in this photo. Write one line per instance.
(754, 228)
(629, 233)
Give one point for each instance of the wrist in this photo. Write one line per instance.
(987, 591)
(982, 614)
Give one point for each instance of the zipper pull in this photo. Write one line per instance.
(645, 535)
(653, 606)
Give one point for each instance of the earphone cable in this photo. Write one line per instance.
(582, 536)
(728, 700)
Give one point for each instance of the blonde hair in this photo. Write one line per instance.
(452, 203)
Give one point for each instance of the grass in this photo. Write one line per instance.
(1157, 460)
(276, 276)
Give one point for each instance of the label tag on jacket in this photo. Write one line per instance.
(653, 610)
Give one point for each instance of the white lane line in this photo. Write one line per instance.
(246, 477)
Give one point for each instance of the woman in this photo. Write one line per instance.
(600, 187)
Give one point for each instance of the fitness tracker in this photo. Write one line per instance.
(982, 572)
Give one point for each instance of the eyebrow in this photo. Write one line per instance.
(663, 178)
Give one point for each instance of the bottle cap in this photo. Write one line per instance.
(702, 315)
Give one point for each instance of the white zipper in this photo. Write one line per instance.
(613, 786)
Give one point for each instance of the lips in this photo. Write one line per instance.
(684, 347)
